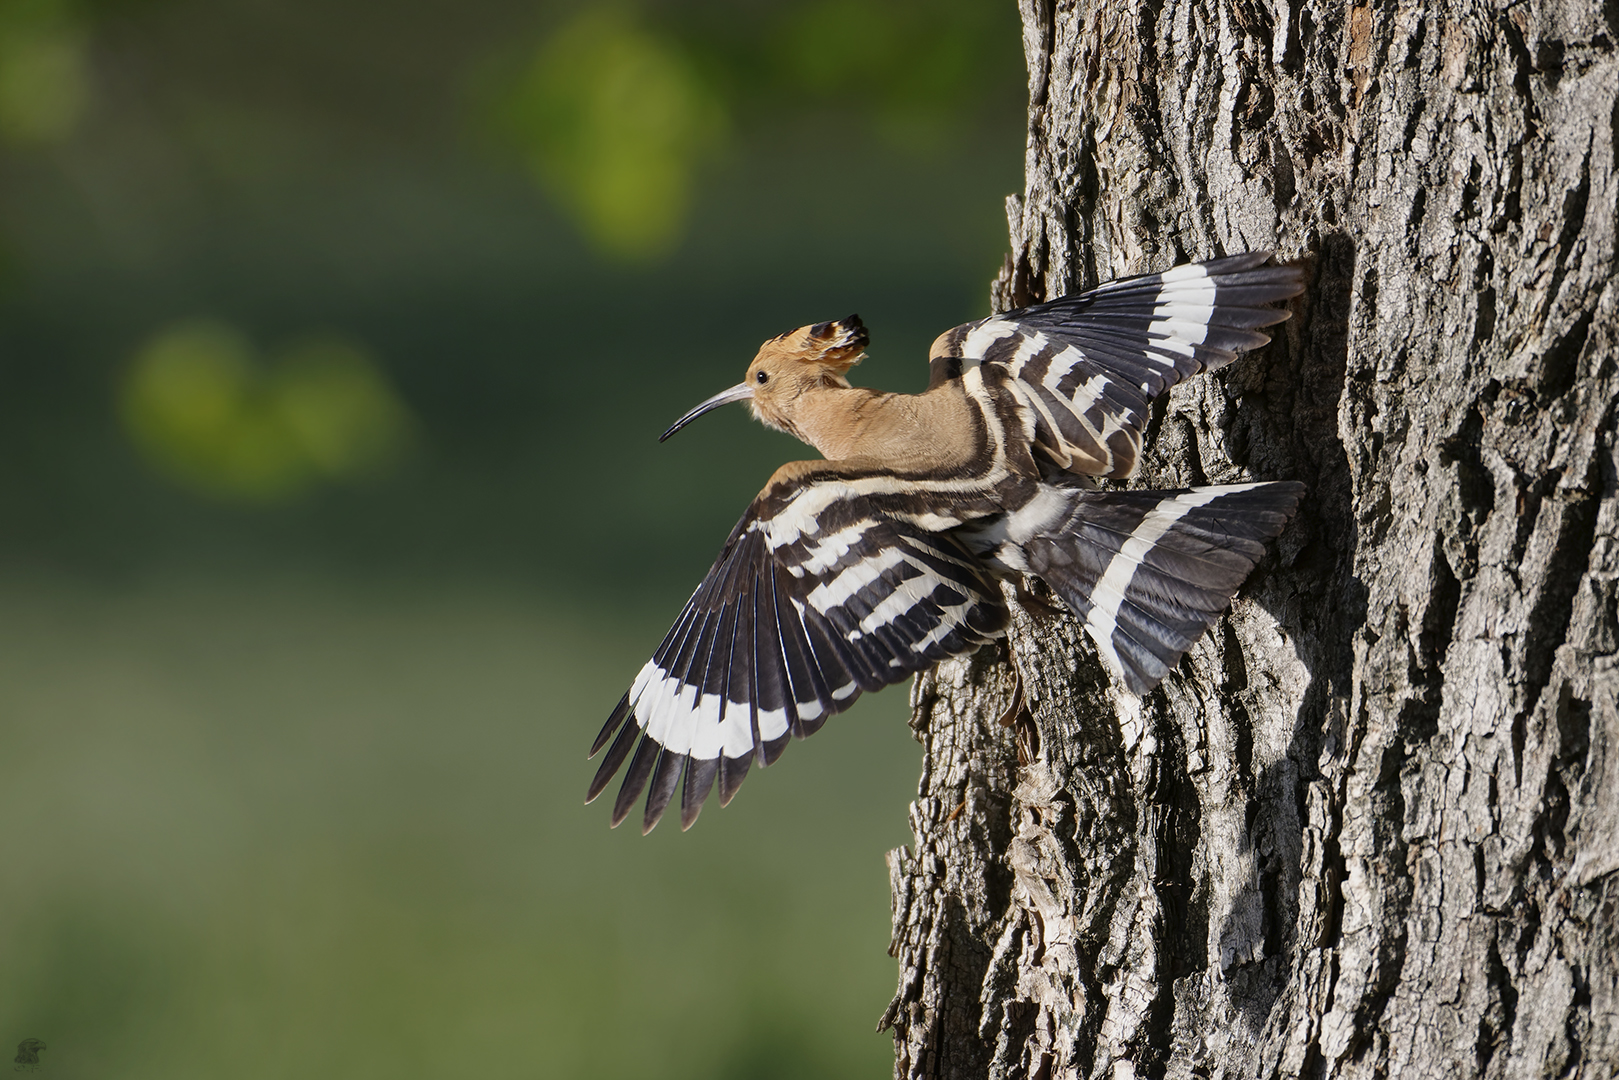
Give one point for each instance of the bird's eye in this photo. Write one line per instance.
(763, 377)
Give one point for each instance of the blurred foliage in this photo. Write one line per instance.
(618, 113)
(320, 162)
(44, 71)
(617, 121)
(916, 67)
(206, 413)
(294, 763)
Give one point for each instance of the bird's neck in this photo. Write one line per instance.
(851, 422)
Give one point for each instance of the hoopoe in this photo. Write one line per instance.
(852, 573)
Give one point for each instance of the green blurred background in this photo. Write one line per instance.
(335, 339)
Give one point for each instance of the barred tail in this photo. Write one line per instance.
(1149, 571)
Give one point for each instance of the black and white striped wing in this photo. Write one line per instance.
(1150, 571)
(805, 608)
(1087, 366)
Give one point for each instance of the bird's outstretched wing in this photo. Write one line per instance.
(818, 595)
(1087, 366)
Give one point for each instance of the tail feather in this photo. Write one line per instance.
(1150, 571)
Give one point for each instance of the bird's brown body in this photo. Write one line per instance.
(806, 393)
(894, 430)
(850, 573)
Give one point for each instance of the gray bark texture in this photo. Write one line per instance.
(1370, 826)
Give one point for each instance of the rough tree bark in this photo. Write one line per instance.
(1368, 827)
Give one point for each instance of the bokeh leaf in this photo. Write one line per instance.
(615, 122)
(44, 72)
(345, 417)
(913, 65)
(206, 414)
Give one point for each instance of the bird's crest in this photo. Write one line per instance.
(837, 345)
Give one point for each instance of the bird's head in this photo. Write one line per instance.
(789, 367)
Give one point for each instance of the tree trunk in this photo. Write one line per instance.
(1369, 825)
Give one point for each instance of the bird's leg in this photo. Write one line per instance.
(1017, 705)
(1018, 715)
(1025, 733)
(1036, 605)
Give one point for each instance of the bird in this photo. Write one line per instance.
(854, 572)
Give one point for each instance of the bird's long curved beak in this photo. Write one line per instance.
(739, 392)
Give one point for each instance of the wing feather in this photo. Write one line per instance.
(732, 772)
(665, 778)
(807, 685)
(802, 612)
(1150, 571)
(615, 758)
(1088, 366)
(640, 770)
(700, 774)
